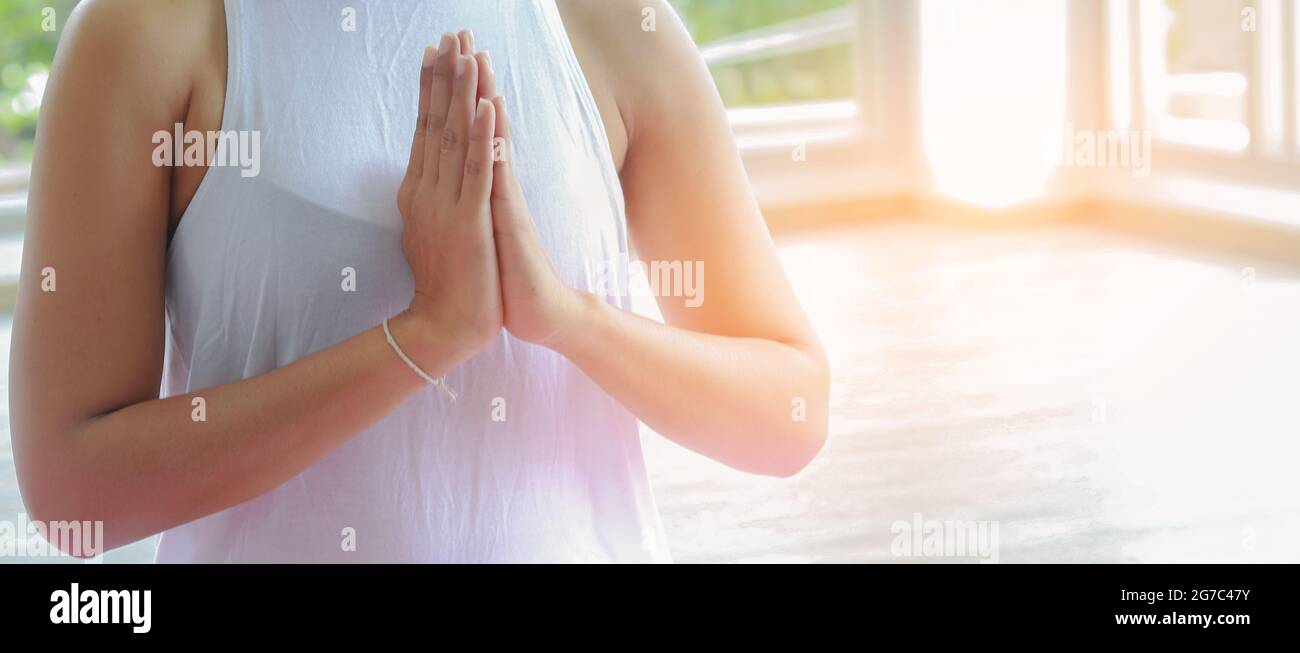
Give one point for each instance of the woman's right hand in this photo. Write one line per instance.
(445, 204)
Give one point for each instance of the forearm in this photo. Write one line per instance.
(156, 464)
(754, 404)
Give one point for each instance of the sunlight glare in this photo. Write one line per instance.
(993, 86)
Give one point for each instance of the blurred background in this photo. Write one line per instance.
(1052, 247)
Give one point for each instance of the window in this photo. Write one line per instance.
(1119, 64)
(766, 52)
(1215, 74)
(1271, 33)
(993, 104)
(1195, 65)
(787, 70)
(1209, 79)
(1292, 44)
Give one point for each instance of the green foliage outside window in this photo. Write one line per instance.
(823, 74)
(29, 30)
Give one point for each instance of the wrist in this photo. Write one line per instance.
(424, 343)
(583, 308)
(437, 335)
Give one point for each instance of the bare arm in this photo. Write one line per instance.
(740, 378)
(92, 440)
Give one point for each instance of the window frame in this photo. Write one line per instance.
(874, 151)
(830, 121)
(1256, 164)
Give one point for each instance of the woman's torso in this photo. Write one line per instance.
(532, 461)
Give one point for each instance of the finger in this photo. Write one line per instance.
(455, 133)
(415, 166)
(512, 223)
(439, 99)
(466, 41)
(477, 187)
(503, 174)
(487, 78)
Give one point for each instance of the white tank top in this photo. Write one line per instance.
(257, 278)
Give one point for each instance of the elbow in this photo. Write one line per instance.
(802, 447)
(809, 424)
(58, 519)
(790, 463)
(57, 507)
(49, 516)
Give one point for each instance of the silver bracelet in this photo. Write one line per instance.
(440, 382)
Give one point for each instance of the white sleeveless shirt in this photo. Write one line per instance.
(532, 462)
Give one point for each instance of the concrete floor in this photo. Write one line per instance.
(1094, 397)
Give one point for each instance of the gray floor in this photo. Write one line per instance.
(1091, 396)
(1096, 398)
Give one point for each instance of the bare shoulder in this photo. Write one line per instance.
(123, 70)
(126, 51)
(643, 43)
(138, 39)
(637, 54)
(141, 66)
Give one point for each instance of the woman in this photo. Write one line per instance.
(298, 422)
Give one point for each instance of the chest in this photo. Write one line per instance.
(206, 109)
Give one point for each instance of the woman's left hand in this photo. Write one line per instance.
(538, 307)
